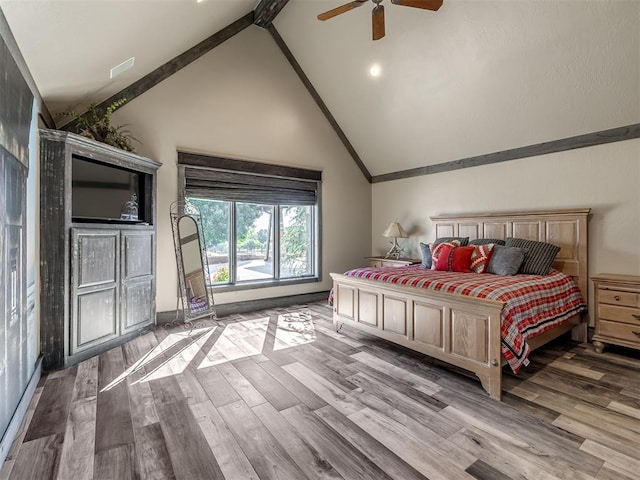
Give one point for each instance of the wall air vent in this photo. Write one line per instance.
(118, 69)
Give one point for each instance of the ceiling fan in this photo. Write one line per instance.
(378, 11)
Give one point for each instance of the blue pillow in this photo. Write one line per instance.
(426, 255)
(505, 260)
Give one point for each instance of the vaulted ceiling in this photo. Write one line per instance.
(476, 77)
(71, 45)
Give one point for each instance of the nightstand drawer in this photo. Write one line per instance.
(619, 297)
(619, 314)
(622, 331)
(617, 310)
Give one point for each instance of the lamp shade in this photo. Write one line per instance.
(395, 230)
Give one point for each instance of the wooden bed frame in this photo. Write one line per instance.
(457, 329)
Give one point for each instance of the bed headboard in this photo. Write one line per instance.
(565, 228)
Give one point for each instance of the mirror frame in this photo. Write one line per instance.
(178, 212)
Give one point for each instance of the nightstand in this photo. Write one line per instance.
(617, 315)
(391, 262)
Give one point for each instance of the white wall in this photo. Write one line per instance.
(473, 78)
(605, 178)
(243, 100)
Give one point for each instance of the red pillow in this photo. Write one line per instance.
(437, 249)
(480, 257)
(454, 259)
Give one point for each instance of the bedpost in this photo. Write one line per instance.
(492, 382)
(579, 332)
(491, 375)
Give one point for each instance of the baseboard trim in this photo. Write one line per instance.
(226, 309)
(18, 416)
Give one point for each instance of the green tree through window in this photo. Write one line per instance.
(295, 247)
(256, 239)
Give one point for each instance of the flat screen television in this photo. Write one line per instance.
(103, 193)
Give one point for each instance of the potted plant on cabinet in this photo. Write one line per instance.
(97, 126)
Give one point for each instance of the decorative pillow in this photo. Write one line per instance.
(464, 241)
(480, 257)
(539, 257)
(505, 260)
(453, 259)
(426, 255)
(436, 250)
(485, 241)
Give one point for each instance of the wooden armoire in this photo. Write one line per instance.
(97, 247)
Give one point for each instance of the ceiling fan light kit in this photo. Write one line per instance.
(377, 15)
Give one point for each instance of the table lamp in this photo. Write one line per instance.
(395, 231)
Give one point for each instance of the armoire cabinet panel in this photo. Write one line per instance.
(136, 260)
(95, 257)
(137, 304)
(94, 318)
(97, 266)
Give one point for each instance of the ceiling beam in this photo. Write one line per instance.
(618, 134)
(316, 96)
(163, 72)
(267, 11)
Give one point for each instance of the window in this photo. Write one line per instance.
(260, 222)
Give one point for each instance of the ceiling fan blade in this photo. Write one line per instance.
(341, 9)
(424, 4)
(377, 20)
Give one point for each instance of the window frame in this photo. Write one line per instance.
(186, 160)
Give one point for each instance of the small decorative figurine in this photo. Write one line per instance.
(130, 209)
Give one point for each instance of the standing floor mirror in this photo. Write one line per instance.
(192, 263)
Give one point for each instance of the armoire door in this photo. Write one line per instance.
(138, 299)
(95, 279)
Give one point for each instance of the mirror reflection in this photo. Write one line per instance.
(194, 275)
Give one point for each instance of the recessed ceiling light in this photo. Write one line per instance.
(375, 70)
(118, 69)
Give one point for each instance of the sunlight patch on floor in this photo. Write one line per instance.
(183, 355)
(180, 348)
(295, 328)
(238, 340)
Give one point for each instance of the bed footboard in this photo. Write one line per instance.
(456, 329)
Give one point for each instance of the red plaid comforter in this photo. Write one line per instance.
(533, 303)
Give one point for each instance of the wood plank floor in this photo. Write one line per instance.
(277, 394)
